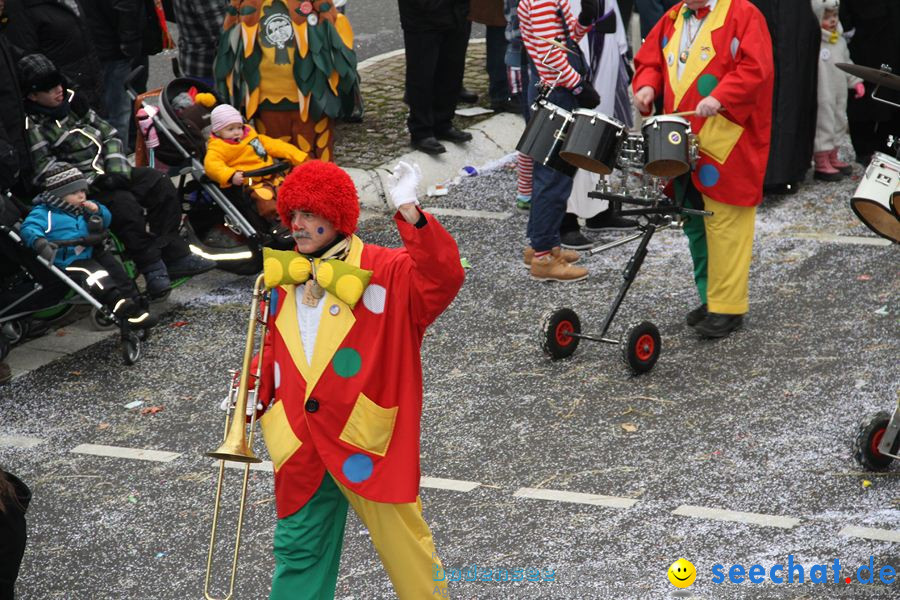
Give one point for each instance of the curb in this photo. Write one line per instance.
(492, 139)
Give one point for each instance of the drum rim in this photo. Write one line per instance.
(664, 119)
(600, 115)
(882, 157)
(554, 108)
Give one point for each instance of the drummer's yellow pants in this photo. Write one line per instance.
(308, 546)
(721, 248)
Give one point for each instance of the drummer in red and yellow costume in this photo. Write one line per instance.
(715, 57)
(342, 381)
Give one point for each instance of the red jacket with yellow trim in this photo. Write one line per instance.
(355, 410)
(730, 59)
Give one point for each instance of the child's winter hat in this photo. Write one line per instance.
(63, 179)
(820, 6)
(224, 115)
(38, 74)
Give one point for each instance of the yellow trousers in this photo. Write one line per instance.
(729, 241)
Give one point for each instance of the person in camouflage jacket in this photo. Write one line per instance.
(62, 128)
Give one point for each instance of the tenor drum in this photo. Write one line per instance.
(593, 141)
(544, 136)
(873, 197)
(666, 146)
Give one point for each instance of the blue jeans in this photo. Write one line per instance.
(115, 98)
(550, 189)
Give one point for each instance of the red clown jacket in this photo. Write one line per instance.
(355, 410)
(731, 59)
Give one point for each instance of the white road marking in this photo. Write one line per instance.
(717, 514)
(19, 441)
(464, 212)
(264, 466)
(871, 533)
(576, 497)
(131, 453)
(842, 239)
(455, 485)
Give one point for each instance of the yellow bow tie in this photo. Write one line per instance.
(281, 267)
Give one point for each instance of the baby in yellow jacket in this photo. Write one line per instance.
(234, 148)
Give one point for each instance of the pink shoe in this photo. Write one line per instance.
(841, 166)
(824, 170)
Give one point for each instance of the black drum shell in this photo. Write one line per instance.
(666, 148)
(543, 138)
(593, 143)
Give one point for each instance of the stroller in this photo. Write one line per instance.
(33, 290)
(180, 145)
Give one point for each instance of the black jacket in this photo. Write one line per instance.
(14, 159)
(115, 27)
(875, 42)
(433, 15)
(54, 29)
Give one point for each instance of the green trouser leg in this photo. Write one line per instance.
(308, 547)
(695, 230)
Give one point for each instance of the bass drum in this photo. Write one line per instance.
(544, 136)
(875, 195)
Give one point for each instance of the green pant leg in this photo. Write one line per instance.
(695, 230)
(308, 547)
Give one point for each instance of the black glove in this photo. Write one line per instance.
(586, 95)
(45, 248)
(590, 10)
(113, 181)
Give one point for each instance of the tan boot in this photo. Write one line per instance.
(570, 256)
(555, 268)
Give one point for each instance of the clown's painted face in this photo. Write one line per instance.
(311, 232)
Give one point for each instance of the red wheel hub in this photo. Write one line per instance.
(563, 329)
(876, 439)
(644, 347)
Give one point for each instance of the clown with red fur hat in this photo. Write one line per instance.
(342, 380)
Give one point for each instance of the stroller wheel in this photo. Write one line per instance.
(143, 333)
(131, 348)
(101, 321)
(865, 447)
(555, 339)
(641, 346)
(15, 331)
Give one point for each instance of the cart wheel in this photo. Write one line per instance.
(102, 322)
(15, 331)
(555, 338)
(865, 447)
(641, 346)
(131, 348)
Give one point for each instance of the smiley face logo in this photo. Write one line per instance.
(682, 573)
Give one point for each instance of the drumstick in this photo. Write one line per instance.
(685, 113)
(555, 43)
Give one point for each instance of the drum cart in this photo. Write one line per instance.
(877, 441)
(641, 343)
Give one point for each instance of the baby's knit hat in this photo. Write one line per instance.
(224, 115)
(63, 179)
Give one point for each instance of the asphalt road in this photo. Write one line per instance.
(594, 477)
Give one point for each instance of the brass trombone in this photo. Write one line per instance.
(238, 442)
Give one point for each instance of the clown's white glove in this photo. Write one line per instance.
(403, 183)
(227, 403)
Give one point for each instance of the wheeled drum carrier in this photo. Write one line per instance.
(877, 441)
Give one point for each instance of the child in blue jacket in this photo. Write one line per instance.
(61, 213)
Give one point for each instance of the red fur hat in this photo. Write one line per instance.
(321, 188)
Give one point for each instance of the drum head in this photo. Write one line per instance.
(583, 162)
(667, 168)
(877, 218)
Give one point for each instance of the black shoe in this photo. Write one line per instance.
(510, 105)
(429, 145)
(822, 176)
(454, 135)
(696, 315)
(144, 320)
(575, 240)
(717, 325)
(468, 96)
(606, 221)
(188, 265)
